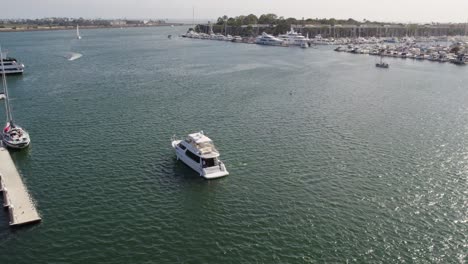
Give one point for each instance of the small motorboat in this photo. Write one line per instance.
(382, 64)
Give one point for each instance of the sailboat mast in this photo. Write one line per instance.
(5, 89)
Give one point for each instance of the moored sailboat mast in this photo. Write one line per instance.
(5, 88)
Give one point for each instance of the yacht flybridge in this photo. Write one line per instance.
(12, 135)
(200, 154)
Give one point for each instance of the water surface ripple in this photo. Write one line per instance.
(358, 165)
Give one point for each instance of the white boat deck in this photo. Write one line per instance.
(21, 207)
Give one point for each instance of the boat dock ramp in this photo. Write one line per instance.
(16, 199)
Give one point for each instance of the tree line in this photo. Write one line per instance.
(273, 19)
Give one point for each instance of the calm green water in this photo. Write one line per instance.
(358, 165)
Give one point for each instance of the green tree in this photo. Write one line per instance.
(269, 19)
(231, 21)
(250, 20)
(222, 20)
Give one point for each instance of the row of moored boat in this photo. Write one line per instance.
(291, 38)
(12, 135)
(439, 54)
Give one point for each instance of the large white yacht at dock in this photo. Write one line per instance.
(11, 66)
(294, 38)
(200, 154)
(266, 39)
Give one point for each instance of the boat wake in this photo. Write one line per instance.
(71, 56)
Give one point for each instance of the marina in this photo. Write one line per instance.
(440, 49)
(454, 52)
(329, 159)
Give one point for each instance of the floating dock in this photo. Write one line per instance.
(16, 198)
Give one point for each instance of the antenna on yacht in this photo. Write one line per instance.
(5, 90)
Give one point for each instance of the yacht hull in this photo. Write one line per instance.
(16, 146)
(12, 72)
(207, 173)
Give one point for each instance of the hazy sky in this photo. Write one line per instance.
(381, 10)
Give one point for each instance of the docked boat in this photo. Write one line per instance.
(11, 66)
(459, 60)
(294, 38)
(13, 136)
(266, 39)
(199, 153)
(237, 39)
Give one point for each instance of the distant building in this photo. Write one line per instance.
(118, 22)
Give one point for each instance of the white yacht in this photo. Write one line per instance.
(11, 66)
(294, 38)
(200, 154)
(12, 135)
(266, 39)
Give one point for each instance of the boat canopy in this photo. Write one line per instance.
(199, 138)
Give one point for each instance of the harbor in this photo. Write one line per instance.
(452, 49)
(329, 159)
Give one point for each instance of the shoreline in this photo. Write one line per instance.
(46, 28)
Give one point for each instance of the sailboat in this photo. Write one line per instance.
(13, 136)
(381, 64)
(78, 32)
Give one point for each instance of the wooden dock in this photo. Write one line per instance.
(16, 198)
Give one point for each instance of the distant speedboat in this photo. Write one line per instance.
(199, 153)
(71, 56)
(78, 32)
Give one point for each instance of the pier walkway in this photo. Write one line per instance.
(16, 198)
